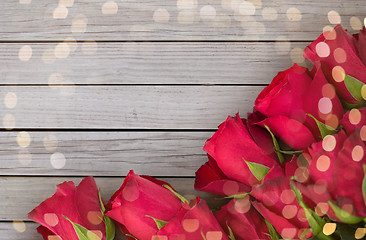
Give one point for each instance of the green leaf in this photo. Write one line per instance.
(203, 235)
(231, 234)
(101, 202)
(316, 222)
(290, 152)
(258, 170)
(272, 231)
(110, 228)
(130, 235)
(354, 86)
(364, 184)
(159, 223)
(82, 232)
(323, 128)
(242, 195)
(183, 199)
(343, 215)
(276, 145)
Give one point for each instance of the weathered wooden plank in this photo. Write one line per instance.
(123, 107)
(28, 231)
(103, 153)
(175, 20)
(149, 63)
(19, 195)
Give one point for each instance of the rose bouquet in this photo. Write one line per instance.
(293, 169)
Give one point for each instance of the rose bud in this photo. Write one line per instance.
(340, 54)
(243, 220)
(277, 203)
(355, 119)
(336, 170)
(292, 100)
(149, 209)
(229, 150)
(73, 209)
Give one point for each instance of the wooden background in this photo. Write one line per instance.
(93, 87)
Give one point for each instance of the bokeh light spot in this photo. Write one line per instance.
(190, 225)
(355, 23)
(161, 15)
(66, 3)
(325, 105)
(214, 235)
(323, 163)
(360, 233)
(95, 217)
(23, 139)
(338, 73)
(322, 49)
(288, 233)
(110, 8)
(363, 133)
(25, 53)
(242, 205)
(334, 17)
(208, 12)
(58, 160)
(79, 24)
(328, 91)
(289, 211)
(322, 208)
(340, 55)
(50, 142)
(19, 226)
(246, 8)
(24, 157)
(51, 219)
(187, 4)
(355, 116)
(10, 100)
(60, 12)
(357, 153)
(9, 121)
(230, 188)
(293, 14)
(62, 50)
(329, 143)
(329, 228)
(269, 14)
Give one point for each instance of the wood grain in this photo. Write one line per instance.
(135, 20)
(104, 153)
(20, 195)
(125, 107)
(150, 63)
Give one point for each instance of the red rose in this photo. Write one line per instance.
(80, 204)
(226, 172)
(290, 97)
(355, 119)
(142, 200)
(276, 202)
(243, 220)
(340, 54)
(336, 170)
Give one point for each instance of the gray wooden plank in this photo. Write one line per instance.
(19, 230)
(19, 195)
(148, 63)
(175, 20)
(123, 107)
(103, 153)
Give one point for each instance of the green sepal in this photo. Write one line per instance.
(323, 128)
(290, 152)
(110, 227)
(159, 223)
(364, 184)
(343, 215)
(82, 232)
(238, 196)
(276, 145)
(203, 235)
(183, 199)
(231, 234)
(272, 231)
(354, 87)
(315, 221)
(130, 235)
(258, 170)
